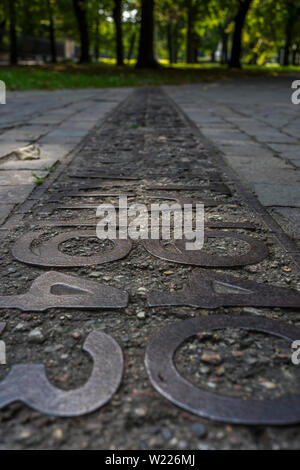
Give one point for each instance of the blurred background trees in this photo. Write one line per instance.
(146, 33)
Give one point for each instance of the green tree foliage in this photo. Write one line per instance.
(227, 31)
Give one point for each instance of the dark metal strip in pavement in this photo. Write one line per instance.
(93, 222)
(49, 254)
(29, 384)
(57, 290)
(215, 187)
(257, 252)
(211, 290)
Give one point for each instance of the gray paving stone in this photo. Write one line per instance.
(79, 125)
(15, 194)
(273, 137)
(8, 147)
(64, 136)
(56, 151)
(215, 135)
(290, 219)
(44, 163)
(287, 151)
(282, 195)
(20, 177)
(200, 117)
(46, 119)
(261, 108)
(63, 132)
(5, 210)
(250, 151)
(264, 170)
(24, 133)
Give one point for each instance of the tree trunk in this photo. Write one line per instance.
(295, 60)
(13, 33)
(170, 43)
(81, 16)
(190, 34)
(2, 31)
(97, 37)
(175, 44)
(117, 15)
(131, 46)
(146, 44)
(235, 60)
(288, 40)
(52, 34)
(224, 53)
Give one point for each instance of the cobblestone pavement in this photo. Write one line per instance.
(256, 127)
(49, 246)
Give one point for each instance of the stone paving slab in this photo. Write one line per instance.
(15, 194)
(259, 169)
(43, 163)
(292, 215)
(10, 177)
(256, 127)
(281, 195)
(7, 148)
(55, 121)
(291, 152)
(27, 133)
(5, 210)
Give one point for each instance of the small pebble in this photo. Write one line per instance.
(141, 315)
(166, 434)
(286, 269)
(211, 358)
(58, 434)
(76, 335)
(199, 430)
(267, 384)
(36, 336)
(219, 371)
(141, 411)
(95, 274)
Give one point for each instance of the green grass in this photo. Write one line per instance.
(48, 77)
(38, 179)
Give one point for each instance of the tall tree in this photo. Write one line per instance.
(2, 31)
(239, 21)
(131, 45)
(292, 15)
(146, 57)
(13, 54)
(117, 16)
(80, 9)
(224, 38)
(97, 31)
(52, 32)
(171, 19)
(191, 7)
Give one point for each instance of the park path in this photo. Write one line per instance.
(130, 304)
